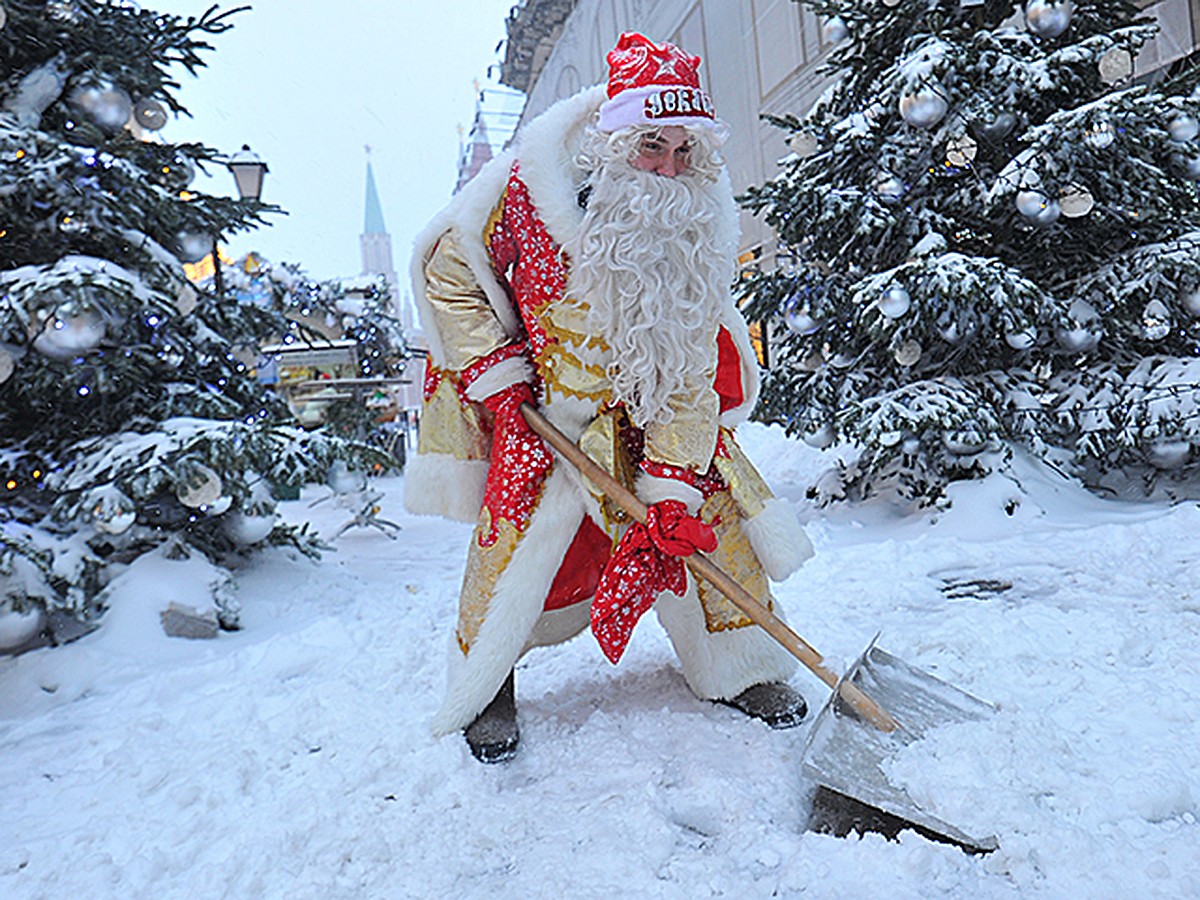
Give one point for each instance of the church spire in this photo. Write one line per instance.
(376, 246)
(373, 220)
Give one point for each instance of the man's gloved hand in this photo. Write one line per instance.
(645, 563)
(677, 533)
(520, 460)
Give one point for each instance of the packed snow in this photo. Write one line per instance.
(293, 758)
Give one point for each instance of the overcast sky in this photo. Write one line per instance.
(307, 84)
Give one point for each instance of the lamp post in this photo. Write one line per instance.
(248, 171)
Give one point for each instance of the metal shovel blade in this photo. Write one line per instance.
(845, 755)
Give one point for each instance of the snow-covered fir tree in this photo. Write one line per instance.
(991, 237)
(130, 416)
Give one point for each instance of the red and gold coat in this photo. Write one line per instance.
(491, 277)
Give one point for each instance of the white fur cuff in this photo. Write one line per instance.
(436, 484)
(504, 374)
(778, 539)
(651, 489)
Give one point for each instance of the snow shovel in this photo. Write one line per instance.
(842, 756)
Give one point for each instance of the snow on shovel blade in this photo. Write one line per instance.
(845, 755)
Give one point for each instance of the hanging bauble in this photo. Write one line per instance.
(1075, 201)
(1047, 18)
(891, 3)
(246, 529)
(3, 16)
(194, 246)
(804, 144)
(1190, 166)
(1183, 128)
(964, 441)
(69, 332)
(895, 302)
(111, 511)
(888, 188)
(1099, 135)
(798, 319)
(998, 128)
(820, 435)
(1190, 300)
(8, 363)
(1039, 209)
(1115, 65)
(1156, 321)
(149, 114)
(907, 353)
(835, 30)
(924, 107)
(961, 151)
(1081, 333)
(186, 299)
(1021, 339)
(198, 485)
(106, 105)
(1165, 454)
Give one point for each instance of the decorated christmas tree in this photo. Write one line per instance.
(130, 415)
(989, 236)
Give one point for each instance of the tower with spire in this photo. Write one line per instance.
(376, 246)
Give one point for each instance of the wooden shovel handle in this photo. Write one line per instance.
(703, 567)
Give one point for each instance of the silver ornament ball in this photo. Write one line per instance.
(1183, 128)
(70, 333)
(1046, 18)
(835, 30)
(895, 302)
(924, 107)
(799, 320)
(150, 114)
(1022, 339)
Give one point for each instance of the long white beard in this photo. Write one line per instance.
(650, 267)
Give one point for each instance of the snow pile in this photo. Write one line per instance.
(293, 759)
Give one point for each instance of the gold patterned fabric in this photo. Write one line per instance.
(485, 564)
(602, 442)
(452, 426)
(736, 557)
(746, 486)
(463, 318)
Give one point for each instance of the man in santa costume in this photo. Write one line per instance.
(588, 272)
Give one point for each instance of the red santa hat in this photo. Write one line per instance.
(653, 84)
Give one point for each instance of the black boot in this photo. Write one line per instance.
(493, 736)
(774, 702)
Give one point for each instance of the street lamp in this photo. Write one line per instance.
(248, 172)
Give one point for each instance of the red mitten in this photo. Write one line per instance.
(520, 461)
(677, 533)
(645, 563)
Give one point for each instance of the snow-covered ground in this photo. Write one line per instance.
(293, 759)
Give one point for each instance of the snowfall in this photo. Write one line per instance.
(293, 758)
